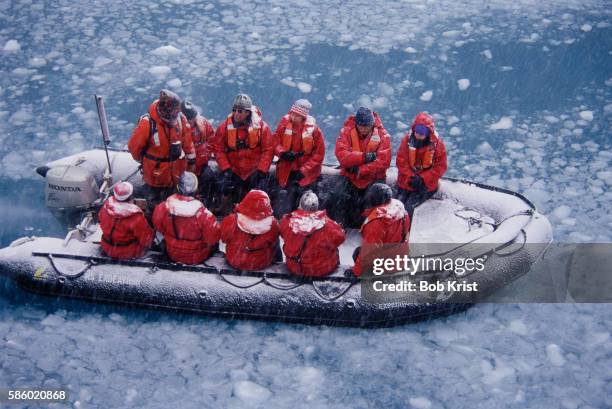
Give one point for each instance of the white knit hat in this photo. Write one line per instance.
(301, 107)
(123, 190)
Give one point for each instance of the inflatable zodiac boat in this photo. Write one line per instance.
(464, 217)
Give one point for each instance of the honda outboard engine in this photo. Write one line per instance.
(70, 190)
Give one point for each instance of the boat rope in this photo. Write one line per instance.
(73, 275)
(335, 297)
(297, 284)
(242, 287)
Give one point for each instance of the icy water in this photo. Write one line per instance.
(521, 93)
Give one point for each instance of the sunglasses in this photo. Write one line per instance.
(239, 111)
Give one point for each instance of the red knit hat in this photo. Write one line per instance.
(255, 205)
(301, 107)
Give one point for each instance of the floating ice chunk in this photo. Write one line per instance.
(577, 237)
(385, 89)
(166, 51)
(451, 33)
(515, 145)
(175, 83)
(78, 110)
(250, 392)
(551, 119)
(586, 27)
(53, 320)
(12, 46)
(518, 327)
(288, 82)
(23, 72)
(160, 71)
(586, 115)
(410, 50)
(379, 102)
(452, 119)
(455, 131)
(463, 84)
(562, 212)
(21, 117)
(504, 123)
(426, 96)
(485, 149)
(304, 87)
(605, 176)
(488, 54)
(401, 125)
(494, 374)
(555, 355)
(420, 403)
(102, 61)
(37, 62)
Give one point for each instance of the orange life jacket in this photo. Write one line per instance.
(372, 144)
(423, 162)
(307, 139)
(232, 134)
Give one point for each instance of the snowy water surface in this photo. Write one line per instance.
(521, 92)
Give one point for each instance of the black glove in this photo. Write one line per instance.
(353, 169)
(417, 183)
(348, 274)
(298, 175)
(256, 177)
(241, 144)
(289, 155)
(370, 157)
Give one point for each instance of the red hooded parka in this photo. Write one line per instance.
(125, 231)
(311, 241)
(250, 233)
(435, 149)
(190, 230)
(349, 155)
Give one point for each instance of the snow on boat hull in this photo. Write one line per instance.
(78, 269)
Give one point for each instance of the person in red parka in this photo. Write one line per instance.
(125, 231)
(421, 162)
(250, 233)
(311, 239)
(191, 232)
(202, 135)
(300, 146)
(363, 149)
(162, 143)
(386, 221)
(244, 149)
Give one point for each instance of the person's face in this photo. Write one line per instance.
(364, 130)
(419, 136)
(240, 115)
(296, 119)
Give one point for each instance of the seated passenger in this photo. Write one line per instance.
(421, 162)
(311, 239)
(386, 221)
(251, 233)
(125, 231)
(300, 147)
(191, 232)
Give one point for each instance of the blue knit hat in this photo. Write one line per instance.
(364, 117)
(421, 129)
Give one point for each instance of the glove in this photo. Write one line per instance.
(350, 276)
(417, 183)
(241, 144)
(370, 157)
(353, 169)
(298, 175)
(289, 155)
(256, 177)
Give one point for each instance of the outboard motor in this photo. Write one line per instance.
(69, 191)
